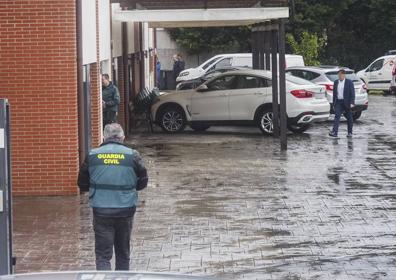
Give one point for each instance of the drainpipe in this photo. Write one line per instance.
(142, 57)
(125, 69)
(80, 84)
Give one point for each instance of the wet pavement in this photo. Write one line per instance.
(228, 203)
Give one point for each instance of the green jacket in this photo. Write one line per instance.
(111, 96)
(113, 174)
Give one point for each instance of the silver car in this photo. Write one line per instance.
(326, 75)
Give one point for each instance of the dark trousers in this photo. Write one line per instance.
(112, 233)
(340, 108)
(109, 117)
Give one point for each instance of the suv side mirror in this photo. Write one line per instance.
(202, 88)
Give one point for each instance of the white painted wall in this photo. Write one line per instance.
(166, 48)
(146, 45)
(116, 32)
(89, 31)
(104, 30)
(131, 37)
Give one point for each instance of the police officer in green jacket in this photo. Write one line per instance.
(110, 100)
(113, 174)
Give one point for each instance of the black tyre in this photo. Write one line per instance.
(356, 115)
(172, 119)
(298, 128)
(265, 121)
(199, 127)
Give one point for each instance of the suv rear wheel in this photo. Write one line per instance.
(265, 121)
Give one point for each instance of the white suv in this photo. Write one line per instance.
(240, 98)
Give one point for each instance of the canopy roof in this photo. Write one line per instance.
(202, 17)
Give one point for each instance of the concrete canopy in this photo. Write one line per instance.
(202, 17)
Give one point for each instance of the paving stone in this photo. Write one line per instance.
(228, 203)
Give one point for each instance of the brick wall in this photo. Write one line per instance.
(38, 76)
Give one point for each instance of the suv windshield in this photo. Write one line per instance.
(349, 75)
(206, 64)
(298, 81)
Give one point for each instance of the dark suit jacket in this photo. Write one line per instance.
(349, 93)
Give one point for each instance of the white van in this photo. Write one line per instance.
(230, 60)
(378, 74)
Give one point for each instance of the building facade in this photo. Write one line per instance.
(38, 49)
(52, 54)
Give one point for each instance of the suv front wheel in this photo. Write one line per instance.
(172, 119)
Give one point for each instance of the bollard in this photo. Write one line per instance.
(6, 260)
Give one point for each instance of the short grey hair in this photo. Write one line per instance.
(113, 132)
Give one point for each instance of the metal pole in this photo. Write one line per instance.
(274, 68)
(282, 85)
(267, 49)
(261, 49)
(255, 54)
(6, 259)
(125, 70)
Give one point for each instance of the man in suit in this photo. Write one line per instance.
(343, 102)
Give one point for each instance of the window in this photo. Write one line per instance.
(304, 74)
(242, 61)
(349, 75)
(210, 62)
(296, 73)
(377, 65)
(297, 80)
(223, 83)
(226, 62)
(245, 82)
(212, 74)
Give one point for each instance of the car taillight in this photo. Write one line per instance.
(301, 93)
(329, 87)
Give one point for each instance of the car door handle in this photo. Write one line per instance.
(224, 95)
(258, 93)
(379, 74)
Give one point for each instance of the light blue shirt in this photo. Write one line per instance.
(340, 89)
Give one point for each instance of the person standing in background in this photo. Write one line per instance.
(393, 81)
(110, 100)
(158, 73)
(343, 102)
(178, 66)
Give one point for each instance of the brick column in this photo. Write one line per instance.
(96, 92)
(96, 105)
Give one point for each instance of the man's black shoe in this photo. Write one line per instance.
(350, 135)
(333, 135)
